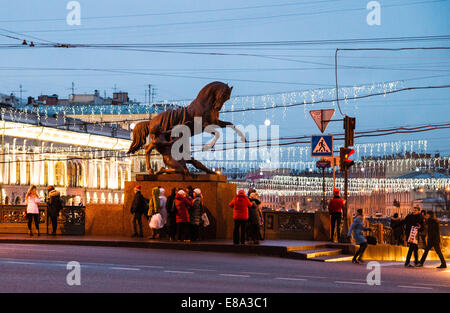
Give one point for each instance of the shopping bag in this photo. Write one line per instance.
(156, 222)
(205, 220)
(413, 235)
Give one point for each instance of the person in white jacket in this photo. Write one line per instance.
(32, 200)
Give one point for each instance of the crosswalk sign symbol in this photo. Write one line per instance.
(322, 145)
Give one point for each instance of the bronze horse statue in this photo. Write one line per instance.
(207, 106)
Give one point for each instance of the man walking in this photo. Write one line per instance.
(413, 222)
(335, 207)
(434, 240)
(138, 208)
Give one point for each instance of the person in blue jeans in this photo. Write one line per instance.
(358, 228)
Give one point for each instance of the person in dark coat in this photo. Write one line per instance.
(434, 240)
(195, 215)
(54, 206)
(335, 208)
(424, 230)
(171, 215)
(254, 219)
(138, 208)
(414, 219)
(397, 229)
(240, 205)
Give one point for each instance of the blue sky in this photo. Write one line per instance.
(132, 22)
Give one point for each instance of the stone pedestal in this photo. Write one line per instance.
(217, 194)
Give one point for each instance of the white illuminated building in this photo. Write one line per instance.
(87, 163)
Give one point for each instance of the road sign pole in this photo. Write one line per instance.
(323, 185)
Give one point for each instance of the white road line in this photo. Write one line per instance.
(432, 285)
(201, 270)
(415, 287)
(317, 277)
(150, 266)
(179, 272)
(17, 262)
(125, 268)
(234, 275)
(289, 278)
(255, 273)
(350, 283)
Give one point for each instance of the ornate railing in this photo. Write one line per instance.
(71, 220)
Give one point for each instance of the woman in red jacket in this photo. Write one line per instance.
(183, 204)
(240, 205)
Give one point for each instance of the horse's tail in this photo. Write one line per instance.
(140, 134)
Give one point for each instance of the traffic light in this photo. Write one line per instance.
(349, 126)
(345, 163)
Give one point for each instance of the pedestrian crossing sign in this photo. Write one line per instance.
(321, 145)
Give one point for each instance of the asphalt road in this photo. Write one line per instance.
(43, 268)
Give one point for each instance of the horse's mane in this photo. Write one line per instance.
(207, 97)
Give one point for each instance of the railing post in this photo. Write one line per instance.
(380, 232)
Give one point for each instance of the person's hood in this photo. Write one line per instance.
(155, 191)
(241, 194)
(396, 218)
(179, 196)
(53, 193)
(162, 192)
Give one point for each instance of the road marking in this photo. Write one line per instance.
(289, 278)
(319, 277)
(255, 273)
(125, 268)
(179, 272)
(17, 262)
(234, 275)
(415, 287)
(201, 270)
(432, 285)
(150, 266)
(350, 283)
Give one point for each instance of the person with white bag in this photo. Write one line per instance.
(157, 211)
(413, 222)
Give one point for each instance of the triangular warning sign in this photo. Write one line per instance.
(321, 147)
(322, 118)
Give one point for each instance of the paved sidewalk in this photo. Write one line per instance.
(280, 248)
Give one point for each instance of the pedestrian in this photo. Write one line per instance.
(335, 208)
(424, 230)
(32, 200)
(413, 222)
(397, 229)
(138, 208)
(190, 191)
(154, 213)
(434, 240)
(358, 228)
(183, 204)
(171, 215)
(195, 214)
(240, 205)
(163, 206)
(54, 206)
(254, 219)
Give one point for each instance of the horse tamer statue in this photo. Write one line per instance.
(206, 106)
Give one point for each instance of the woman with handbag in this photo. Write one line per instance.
(358, 228)
(32, 200)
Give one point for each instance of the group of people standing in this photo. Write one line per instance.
(54, 206)
(247, 216)
(416, 226)
(180, 216)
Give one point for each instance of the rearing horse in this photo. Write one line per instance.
(207, 105)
